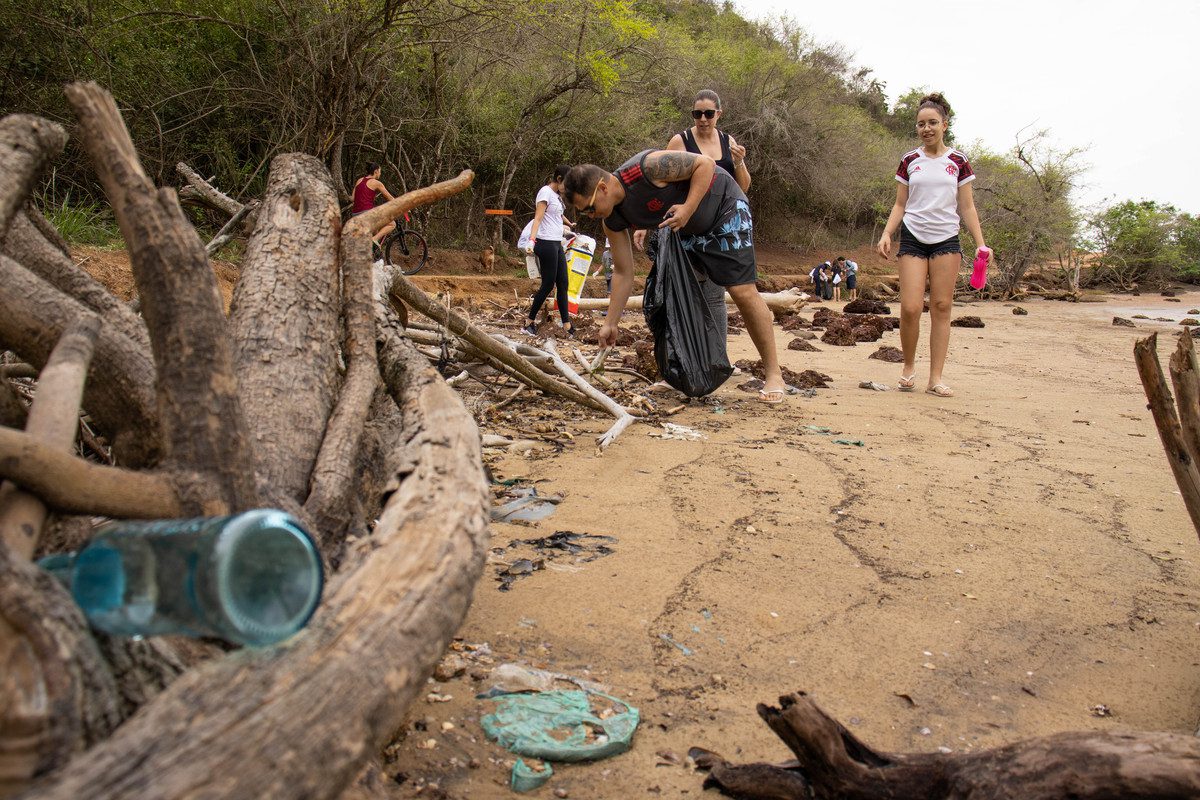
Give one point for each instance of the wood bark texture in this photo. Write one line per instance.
(1183, 465)
(27, 144)
(53, 420)
(28, 246)
(202, 421)
(285, 308)
(332, 485)
(311, 713)
(119, 393)
(833, 763)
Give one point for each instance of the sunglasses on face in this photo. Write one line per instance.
(707, 113)
(590, 208)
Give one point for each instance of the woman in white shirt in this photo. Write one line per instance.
(547, 236)
(934, 195)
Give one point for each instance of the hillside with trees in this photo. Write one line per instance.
(509, 89)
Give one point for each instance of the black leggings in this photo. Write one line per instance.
(552, 262)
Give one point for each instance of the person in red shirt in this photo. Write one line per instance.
(365, 191)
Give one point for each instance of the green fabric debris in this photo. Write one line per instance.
(854, 442)
(525, 778)
(555, 726)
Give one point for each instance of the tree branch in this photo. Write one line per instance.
(53, 420)
(183, 313)
(27, 144)
(68, 483)
(332, 477)
(119, 393)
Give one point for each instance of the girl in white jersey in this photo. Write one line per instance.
(933, 196)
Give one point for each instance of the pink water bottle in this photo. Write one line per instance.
(979, 274)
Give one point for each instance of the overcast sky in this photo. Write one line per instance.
(1122, 78)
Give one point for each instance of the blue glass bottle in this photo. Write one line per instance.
(253, 578)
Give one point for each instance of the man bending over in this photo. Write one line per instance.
(690, 194)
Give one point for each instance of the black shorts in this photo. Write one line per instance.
(851, 280)
(911, 246)
(726, 255)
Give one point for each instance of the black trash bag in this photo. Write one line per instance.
(689, 348)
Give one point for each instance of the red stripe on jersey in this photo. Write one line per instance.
(630, 175)
(964, 167)
(902, 170)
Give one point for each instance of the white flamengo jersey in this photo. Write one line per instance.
(931, 213)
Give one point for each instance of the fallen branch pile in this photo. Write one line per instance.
(456, 340)
(306, 398)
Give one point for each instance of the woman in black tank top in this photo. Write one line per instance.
(725, 161)
(706, 111)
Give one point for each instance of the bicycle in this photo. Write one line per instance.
(403, 248)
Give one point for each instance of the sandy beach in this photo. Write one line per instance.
(982, 569)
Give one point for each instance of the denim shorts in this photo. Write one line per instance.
(911, 246)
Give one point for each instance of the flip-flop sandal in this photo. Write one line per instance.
(941, 390)
(907, 384)
(765, 396)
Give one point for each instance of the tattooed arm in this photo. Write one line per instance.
(668, 166)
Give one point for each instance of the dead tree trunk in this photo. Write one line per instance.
(215, 416)
(832, 763)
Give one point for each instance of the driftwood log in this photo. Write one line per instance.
(832, 763)
(306, 398)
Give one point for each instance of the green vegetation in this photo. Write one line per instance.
(508, 89)
(1146, 243)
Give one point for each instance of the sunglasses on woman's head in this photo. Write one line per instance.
(707, 113)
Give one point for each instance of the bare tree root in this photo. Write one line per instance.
(333, 476)
(28, 246)
(183, 312)
(119, 393)
(68, 483)
(833, 763)
(319, 707)
(12, 411)
(53, 420)
(27, 144)
(51, 663)
(285, 309)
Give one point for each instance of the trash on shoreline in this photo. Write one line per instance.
(527, 777)
(566, 726)
(525, 504)
(850, 442)
(873, 386)
(687, 651)
(509, 678)
(575, 548)
(673, 431)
